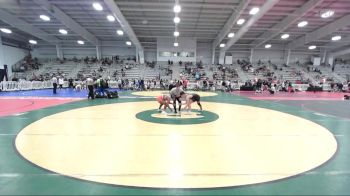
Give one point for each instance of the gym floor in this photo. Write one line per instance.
(242, 143)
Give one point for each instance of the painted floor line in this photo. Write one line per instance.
(327, 173)
(19, 114)
(319, 114)
(166, 135)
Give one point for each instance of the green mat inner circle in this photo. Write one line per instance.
(205, 117)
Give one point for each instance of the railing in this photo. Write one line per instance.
(28, 85)
(303, 87)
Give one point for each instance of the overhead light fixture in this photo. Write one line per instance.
(63, 31)
(177, 8)
(80, 42)
(302, 24)
(120, 32)
(222, 45)
(254, 11)
(44, 18)
(285, 36)
(327, 14)
(33, 41)
(128, 43)
(176, 44)
(110, 18)
(240, 21)
(268, 46)
(312, 47)
(97, 6)
(176, 34)
(231, 35)
(4, 30)
(176, 19)
(336, 38)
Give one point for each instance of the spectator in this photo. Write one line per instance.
(54, 83)
(60, 82)
(90, 85)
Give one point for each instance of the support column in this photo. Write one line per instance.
(222, 57)
(286, 56)
(141, 57)
(251, 55)
(137, 56)
(8, 72)
(323, 59)
(2, 62)
(213, 56)
(98, 52)
(59, 51)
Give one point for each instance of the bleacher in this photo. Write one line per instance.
(343, 71)
(130, 70)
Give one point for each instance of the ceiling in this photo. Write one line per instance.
(202, 19)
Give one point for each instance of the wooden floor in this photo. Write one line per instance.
(124, 146)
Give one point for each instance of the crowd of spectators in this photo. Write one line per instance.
(224, 77)
(28, 63)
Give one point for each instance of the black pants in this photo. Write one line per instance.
(54, 88)
(91, 91)
(174, 103)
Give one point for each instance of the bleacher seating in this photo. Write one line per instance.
(236, 73)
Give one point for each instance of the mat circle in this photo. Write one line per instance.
(203, 117)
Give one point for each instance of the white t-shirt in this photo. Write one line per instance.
(61, 81)
(54, 80)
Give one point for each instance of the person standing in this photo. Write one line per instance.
(54, 83)
(100, 86)
(6, 73)
(90, 84)
(60, 82)
(175, 94)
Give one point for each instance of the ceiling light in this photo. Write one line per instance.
(302, 24)
(336, 38)
(177, 8)
(120, 32)
(231, 35)
(240, 21)
(327, 14)
(222, 45)
(176, 33)
(33, 41)
(268, 46)
(285, 36)
(44, 18)
(254, 11)
(8, 31)
(128, 43)
(63, 31)
(312, 47)
(110, 18)
(97, 6)
(80, 42)
(177, 20)
(176, 44)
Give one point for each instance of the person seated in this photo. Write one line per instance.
(272, 89)
(78, 87)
